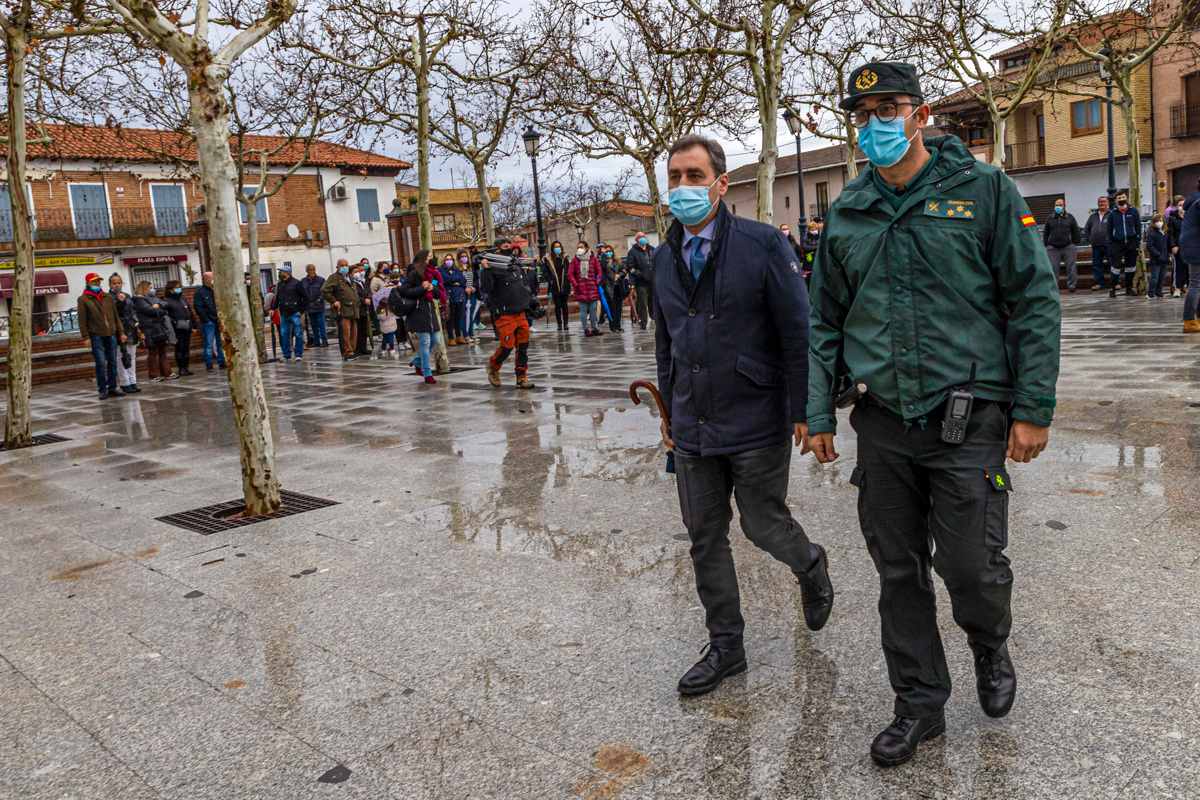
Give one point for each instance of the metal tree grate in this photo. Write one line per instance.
(45, 438)
(220, 517)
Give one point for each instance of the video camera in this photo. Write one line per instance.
(490, 259)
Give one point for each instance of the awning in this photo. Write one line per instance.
(45, 281)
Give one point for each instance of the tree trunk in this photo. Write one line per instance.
(209, 112)
(421, 73)
(485, 202)
(768, 113)
(17, 425)
(253, 295)
(851, 152)
(999, 127)
(660, 219)
(1140, 279)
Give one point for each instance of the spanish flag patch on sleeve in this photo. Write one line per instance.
(1028, 221)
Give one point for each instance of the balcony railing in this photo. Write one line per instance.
(1025, 154)
(100, 224)
(1185, 121)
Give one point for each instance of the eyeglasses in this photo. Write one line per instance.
(887, 111)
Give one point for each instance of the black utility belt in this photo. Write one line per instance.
(936, 411)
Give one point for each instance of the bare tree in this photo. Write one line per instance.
(608, 92)
(581, 201)
(208, 67)
(957, 38)
(758, 34)
(514, 208)
(388, 48)
(27, 25)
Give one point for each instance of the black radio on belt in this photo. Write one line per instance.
(958, 412)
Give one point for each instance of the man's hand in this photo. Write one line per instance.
(337, 305)
(470, 290)
(820, 445)
(1026, 441)
(665, 429)
(802, 438)
(426, 285)
(121, 338)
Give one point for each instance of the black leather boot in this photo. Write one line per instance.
(995, 680)
(715, 665)
(898, 742)
(816, 592)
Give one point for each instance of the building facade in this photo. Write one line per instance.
(824, 172)
(1055, 143)
(1175, 72)
(457, 217)
(126, 200)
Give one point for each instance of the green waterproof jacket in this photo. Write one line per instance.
(906, 296)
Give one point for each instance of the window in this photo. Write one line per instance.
(260, 208)
(6, 217)
(1020, 60)
(158, 276)
(822, 198)
(977, 135)
(89, 211)
(787, 201)
(1085, 117)
(368, 205)
(170, 211)
(443, 222)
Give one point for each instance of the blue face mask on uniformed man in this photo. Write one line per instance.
(690, 204)
(885, 142)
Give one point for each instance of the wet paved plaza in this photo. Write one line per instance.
(501, 602)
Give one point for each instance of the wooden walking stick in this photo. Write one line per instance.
(662, 410)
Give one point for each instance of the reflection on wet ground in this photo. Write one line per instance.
(502, 601)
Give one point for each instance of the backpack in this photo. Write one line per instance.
(400, 305)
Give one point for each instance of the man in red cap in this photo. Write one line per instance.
(100, 325)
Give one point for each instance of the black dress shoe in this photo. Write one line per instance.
(816, 592)
(898, 742)
(995, 680)
(715, 665)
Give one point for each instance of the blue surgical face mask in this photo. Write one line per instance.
(643, 241)
(1059, 210)
(344, 270)
(691, 204)
(177, 290)
(885, 143)
(558, 251)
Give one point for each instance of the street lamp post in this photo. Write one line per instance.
(531, 137)
(1112, 163)
(796, 126)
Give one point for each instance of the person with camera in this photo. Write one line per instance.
(506, 286)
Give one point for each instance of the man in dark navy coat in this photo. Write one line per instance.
(731, 316)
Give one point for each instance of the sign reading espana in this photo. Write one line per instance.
(81, 260)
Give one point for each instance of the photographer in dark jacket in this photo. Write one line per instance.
(1061, 235)
(731, 341)
(639, 264)
(511, 303)
(204, 302)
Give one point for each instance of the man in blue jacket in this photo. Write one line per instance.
(1125, 232)
(731, 342)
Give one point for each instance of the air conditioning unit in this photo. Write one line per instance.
(338, 192)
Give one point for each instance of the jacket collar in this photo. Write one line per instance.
(955, 163)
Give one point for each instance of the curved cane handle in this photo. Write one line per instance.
(654, 393)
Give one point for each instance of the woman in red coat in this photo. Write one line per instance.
(585, 277)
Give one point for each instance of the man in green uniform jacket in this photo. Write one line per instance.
(930, 277)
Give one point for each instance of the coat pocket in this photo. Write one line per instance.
(995, 513)
(759, 373)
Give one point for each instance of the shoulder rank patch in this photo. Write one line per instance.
(1028, 221)
(949, 208)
